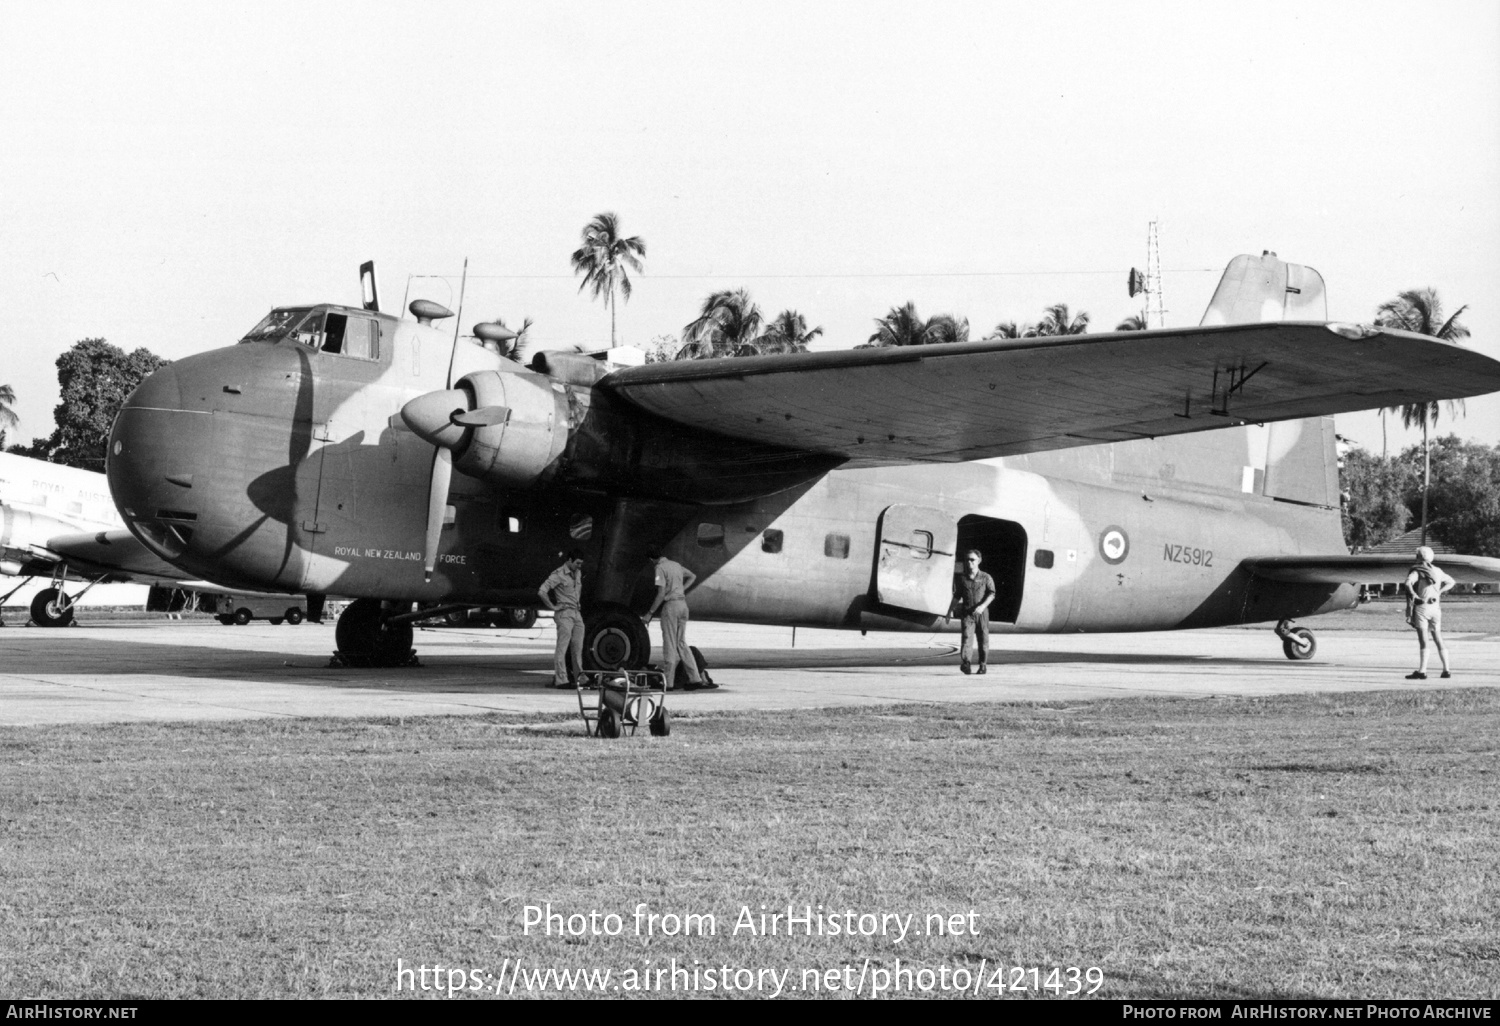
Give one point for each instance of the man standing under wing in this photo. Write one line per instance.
(561, 593)
(672, 582)
(1424, 587)
(973, 591)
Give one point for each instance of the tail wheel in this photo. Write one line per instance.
(615, 639)
(294, 616)
(51, 608)
(1299, 644)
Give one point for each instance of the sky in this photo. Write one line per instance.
(170, 172)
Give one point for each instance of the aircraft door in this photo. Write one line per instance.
(914, 561)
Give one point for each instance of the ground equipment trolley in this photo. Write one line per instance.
(613, 701)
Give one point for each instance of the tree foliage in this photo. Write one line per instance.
(8, 418)
(1135, 322)
(903, 326)
(1464, 497)
(728, 323)
(96, 378)
(605, 261)
(1059, 320)
(1421, 311)
(1374, 491)
(787, 332)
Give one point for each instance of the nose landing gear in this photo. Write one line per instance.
(1297, 642)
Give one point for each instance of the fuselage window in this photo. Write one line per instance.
(771, 541)
(710, 535)
(310, 331)
(1043, 559)
(921, 545)
(836, 546)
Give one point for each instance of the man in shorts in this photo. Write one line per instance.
(672, 582)
(973, 591)
(1424, 586)
(561, 593)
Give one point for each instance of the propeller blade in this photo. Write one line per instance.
(437, 506)
(485, 416)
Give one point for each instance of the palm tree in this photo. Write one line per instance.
(1058, 321)
(515, 348)
(8, 418)
(1009, 329)
(603, 259)
(727, 326)
(787, 332)
(900, 327)
(1421, 311)
(1135, 322)
(946, 328)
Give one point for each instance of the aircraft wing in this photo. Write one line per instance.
(1367, 568)
(117, 553)
(1002, 397)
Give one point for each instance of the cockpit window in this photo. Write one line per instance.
(321, 328)
(276, 325)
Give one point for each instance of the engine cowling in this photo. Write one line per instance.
(506, 427)
(518, 450)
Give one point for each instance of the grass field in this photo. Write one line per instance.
(1291, 847)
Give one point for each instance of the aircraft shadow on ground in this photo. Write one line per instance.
(483, 672)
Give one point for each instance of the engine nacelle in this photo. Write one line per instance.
(518, 450)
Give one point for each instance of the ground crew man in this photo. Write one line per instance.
(561, 593)
(1424, 587)
(672, 582)
(973, 591)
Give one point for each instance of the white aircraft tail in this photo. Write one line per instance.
(1294, 461)
(1263, 288)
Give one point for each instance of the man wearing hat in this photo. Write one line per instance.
(1424, 587)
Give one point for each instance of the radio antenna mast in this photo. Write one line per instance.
(1153, 312)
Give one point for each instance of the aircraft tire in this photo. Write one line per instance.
(364, 640)
(242, 616)
(1300, 645)
(45, 611)
(615, 639)
(294, 616)
(520, 619)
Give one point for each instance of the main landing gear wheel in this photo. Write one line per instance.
(365, 639)
(1297, 642)
(615, 639)
(51, 608)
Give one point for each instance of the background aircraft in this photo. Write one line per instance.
(1129, 481)
(60, 522)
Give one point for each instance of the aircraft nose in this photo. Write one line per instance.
(151, 462)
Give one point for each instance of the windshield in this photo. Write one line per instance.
(278, 324)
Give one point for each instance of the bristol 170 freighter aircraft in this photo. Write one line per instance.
(1114, 482)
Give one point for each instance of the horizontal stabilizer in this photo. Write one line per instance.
(1367, 568)
(1005, 397)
